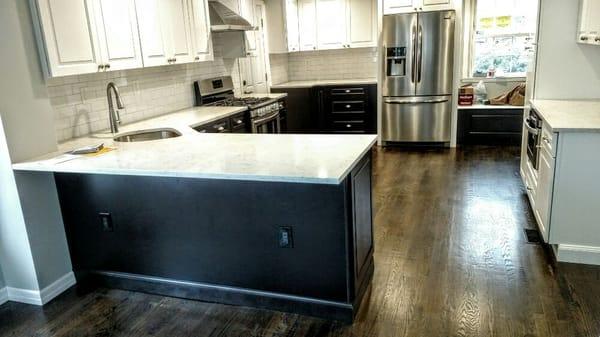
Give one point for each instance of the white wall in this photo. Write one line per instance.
(28, 131)
(565, 69)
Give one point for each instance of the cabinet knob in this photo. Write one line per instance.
(597, 39)
(107, 66)
(315, 48)
(347, 91)
(221, 128)
(238, 121)
(174, 60)
(583, 38)
(197, 58)
(348, 106)
(100, 66)
(348, 125)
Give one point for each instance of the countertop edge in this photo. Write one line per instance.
(292, 85)
(534, 105)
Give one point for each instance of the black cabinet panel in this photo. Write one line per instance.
(490, 126)
(332, 109)
(300, 116)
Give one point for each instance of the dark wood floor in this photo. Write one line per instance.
(451, 260)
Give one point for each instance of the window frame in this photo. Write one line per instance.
(470, 11)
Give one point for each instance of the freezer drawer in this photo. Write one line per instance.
(416, 119)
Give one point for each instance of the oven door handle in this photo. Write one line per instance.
(266, 119)
(531, 130)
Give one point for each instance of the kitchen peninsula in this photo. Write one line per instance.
(281, 222)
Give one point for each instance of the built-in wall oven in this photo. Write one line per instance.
(533, 125)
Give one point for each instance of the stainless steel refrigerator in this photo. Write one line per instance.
(417, 76)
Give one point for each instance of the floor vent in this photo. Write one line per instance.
(533, 236)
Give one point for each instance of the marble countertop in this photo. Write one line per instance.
(320, 159)
(314, 83)
(569, 115)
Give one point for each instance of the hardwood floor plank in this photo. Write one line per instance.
(451, 259)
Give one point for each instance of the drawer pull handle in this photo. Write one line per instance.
(348, 125)
(347, 91)
(239, 121)
(221, 128)
(348, 106)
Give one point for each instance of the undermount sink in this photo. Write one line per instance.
(142, 136)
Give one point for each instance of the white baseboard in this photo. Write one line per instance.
(3, 295)
(57, 287)
(578, 254)
(41, 297)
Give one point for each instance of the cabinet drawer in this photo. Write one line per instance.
(239, 123)
(350, 126)
(549, 140)
(347, 91)
(496, 123)
(348, 106)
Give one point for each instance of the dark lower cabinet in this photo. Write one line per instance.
(490, 126)
(347, 109)
(301, 116)
(220, 240)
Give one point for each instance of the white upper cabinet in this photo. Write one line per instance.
(117, 26)
(331, 24)
(282, 26)
(589, 22)
(361, 23)
(71, 40)
(291, 15)
(410, 6)
(153, 33)
(307, 22)
(176, 21)
(247, 12)
(201, 37)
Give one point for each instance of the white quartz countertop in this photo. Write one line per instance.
(321, 159)
(569, 115)
(314, 83)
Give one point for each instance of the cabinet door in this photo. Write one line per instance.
(118, 34)
(307, 22)
(201, 37)
(176, 20)
(399, 6)
(434, 5)
(331, 24)
(153, 33)
(247, 12)
(544, 192)
(361, 23)
(70, 36)
(291, 24)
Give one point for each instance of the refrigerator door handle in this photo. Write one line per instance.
(420, 62)
(412, 101)
(413, 76)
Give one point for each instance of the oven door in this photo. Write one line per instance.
(533, 141)
(267, 124)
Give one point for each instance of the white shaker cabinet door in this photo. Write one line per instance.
(399, 6)
(362, 23)
(70, 36)
(307, 22)
(291, 24)
(331, 24)
(247, 12)
(153, 34)
(176, 21)
(201, 37)
(118, 34)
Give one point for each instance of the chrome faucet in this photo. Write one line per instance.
(113, 115)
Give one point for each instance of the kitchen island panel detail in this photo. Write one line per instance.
(224, 233)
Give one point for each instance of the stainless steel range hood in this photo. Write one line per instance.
(223, 19)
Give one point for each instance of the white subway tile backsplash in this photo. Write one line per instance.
(325, 65)
(80, 103)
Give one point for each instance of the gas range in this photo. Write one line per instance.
(219, 92)
(265, 113)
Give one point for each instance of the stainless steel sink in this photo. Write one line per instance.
(142, 136)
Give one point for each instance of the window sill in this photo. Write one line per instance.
(495, 79)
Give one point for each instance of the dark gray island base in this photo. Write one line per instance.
(221, 240)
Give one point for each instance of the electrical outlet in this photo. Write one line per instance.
(286, 237)
(106, 222)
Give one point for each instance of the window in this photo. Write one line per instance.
(502, 36)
